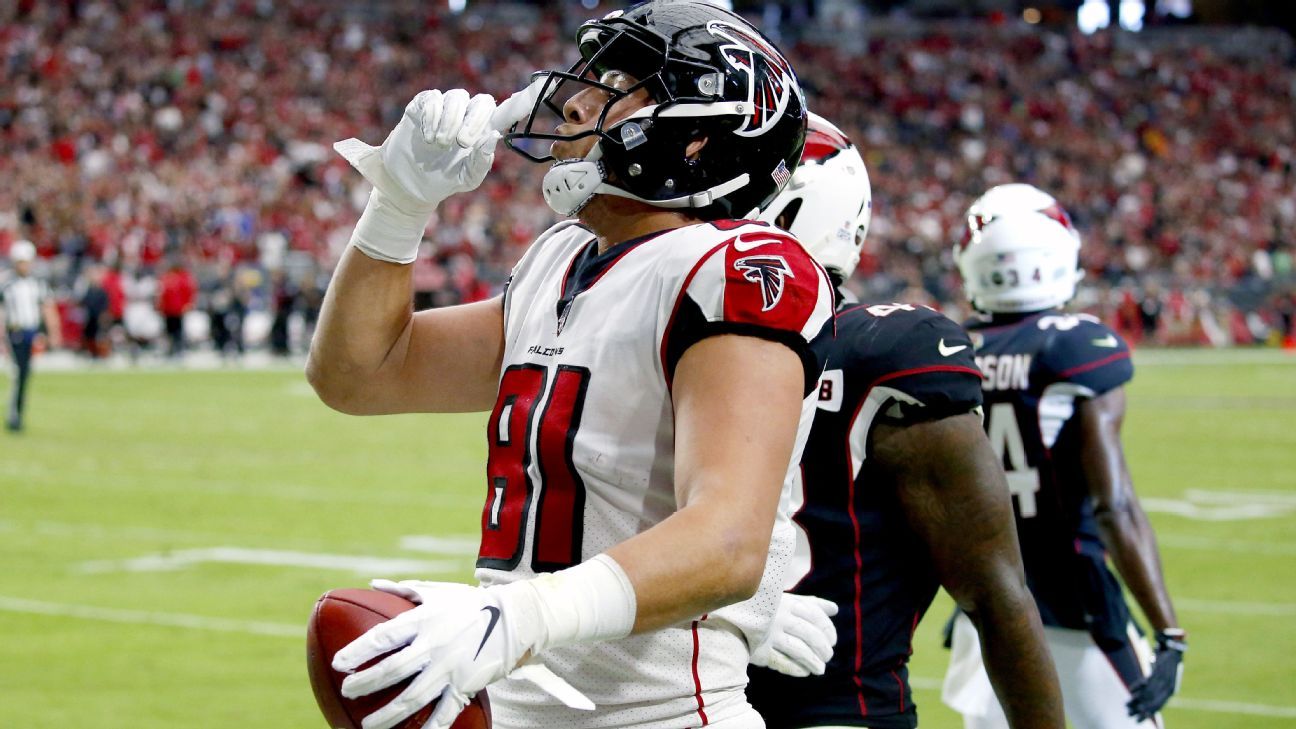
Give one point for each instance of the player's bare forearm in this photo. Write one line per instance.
(732, 451)
(1131, 544)
(1018, 661)
(373, 355)
(364, 324)
(954, 495)
(1123, 526)
(689, 565)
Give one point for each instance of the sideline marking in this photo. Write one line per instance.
(185, 558)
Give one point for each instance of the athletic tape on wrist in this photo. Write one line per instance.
(388, 233)
(593, 601)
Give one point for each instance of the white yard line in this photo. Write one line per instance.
(1213, 512)
(130, 483)
(117, 532)
(452, 544)
(1182, 703)
(1233, 707)
(149, 617)
(1224, 504)
(448, 544)
(360, 564)
(1226, 496)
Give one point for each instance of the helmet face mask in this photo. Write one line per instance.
(711, 78)
(588, 74)
(1019, 252)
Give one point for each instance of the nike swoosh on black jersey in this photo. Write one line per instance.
(490, 628)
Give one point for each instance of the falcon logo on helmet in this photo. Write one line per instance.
(770, 81)
(769, 272)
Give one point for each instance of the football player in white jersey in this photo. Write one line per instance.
(648, 367)
(900, 493)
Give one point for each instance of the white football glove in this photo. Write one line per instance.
(444, 144)
(459, 640)
(801, 638)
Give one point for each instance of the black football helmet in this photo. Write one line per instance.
(711, 75)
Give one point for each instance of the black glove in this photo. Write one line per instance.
(1152, 693)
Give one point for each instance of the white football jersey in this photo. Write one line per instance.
(582, 447)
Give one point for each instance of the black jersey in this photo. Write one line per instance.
(888, 363)
(1036, 368)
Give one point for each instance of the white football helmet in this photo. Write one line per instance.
(21, 251)
(1019, 252)
(828, 202)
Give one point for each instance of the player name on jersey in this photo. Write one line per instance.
(1005, 371)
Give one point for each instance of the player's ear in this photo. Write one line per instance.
(695, 148)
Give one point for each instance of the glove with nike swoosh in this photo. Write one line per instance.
(461, 638)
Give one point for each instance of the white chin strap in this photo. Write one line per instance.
(569, 185)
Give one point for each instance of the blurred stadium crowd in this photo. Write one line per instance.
(171, 160)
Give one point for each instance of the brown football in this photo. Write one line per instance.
(341, 616)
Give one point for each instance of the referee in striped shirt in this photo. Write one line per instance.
(25, 304)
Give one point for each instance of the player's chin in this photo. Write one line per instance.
(563, 151)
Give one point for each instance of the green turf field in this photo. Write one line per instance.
(164, 534)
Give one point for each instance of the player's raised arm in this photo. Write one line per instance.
(953, 491)
(1127, 534)
(371, 353)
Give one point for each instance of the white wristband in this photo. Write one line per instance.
(388, 232)
(593, 601)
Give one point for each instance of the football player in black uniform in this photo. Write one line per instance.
(900, 492)
(1054, 403)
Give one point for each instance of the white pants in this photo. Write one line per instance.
(1093, 694)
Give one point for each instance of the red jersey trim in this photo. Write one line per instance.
(697, 680)
(855, 527)
(1092, 365)
(923, 370)
(859, 558)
